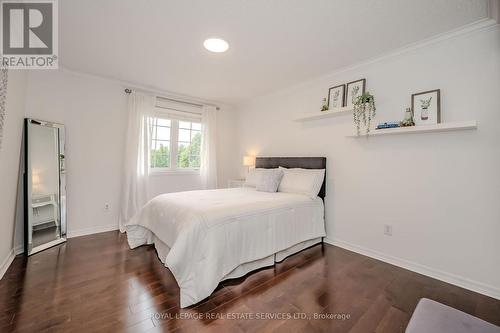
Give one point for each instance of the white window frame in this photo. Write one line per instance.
(175, 116)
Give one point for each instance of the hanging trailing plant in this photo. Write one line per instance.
(364, 111)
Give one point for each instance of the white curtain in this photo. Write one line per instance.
(208, 168)
(137, 152)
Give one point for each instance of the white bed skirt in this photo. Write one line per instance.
(211, 235)
(162, 249)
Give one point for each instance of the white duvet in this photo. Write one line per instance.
(212, 232)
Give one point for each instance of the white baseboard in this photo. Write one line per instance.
(18, 249)
(476, 286)
(74, 233)
(90, 231)
(77, 233)
(4, 266)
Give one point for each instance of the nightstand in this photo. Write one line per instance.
(235, 183)
(44, 209)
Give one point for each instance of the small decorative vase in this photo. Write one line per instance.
(324, 107)
(424, 115)
(408, 119)
(409, 115)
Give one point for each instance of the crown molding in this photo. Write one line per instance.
(485, 24)
(144, 88)
(481, 25)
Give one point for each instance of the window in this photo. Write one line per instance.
(175, 144)
(189, 145)
(160, 143)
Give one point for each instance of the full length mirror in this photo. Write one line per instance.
(44, 186)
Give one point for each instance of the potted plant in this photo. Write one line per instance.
(364, 111)
(425, 103)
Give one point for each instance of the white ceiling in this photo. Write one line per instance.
(273, 44)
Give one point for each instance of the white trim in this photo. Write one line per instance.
(174, 172)
(457, 280)
(19, 249)
(92, 230)
(146, 88)
(174, 143)
(6, 263)
(484, 24)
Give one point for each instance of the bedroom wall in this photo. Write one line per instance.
(10, 152)
(439, 191)
(93, 110)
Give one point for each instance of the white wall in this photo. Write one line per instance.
(94, 113)
(10, 152)
(440, 191)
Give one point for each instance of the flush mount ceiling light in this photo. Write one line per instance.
(216, 45)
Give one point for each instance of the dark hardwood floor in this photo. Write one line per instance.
(97, 284)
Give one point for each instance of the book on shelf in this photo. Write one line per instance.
(389, 124)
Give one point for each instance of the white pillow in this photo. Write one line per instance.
(302, 181)
(253, 177)
(269, 180)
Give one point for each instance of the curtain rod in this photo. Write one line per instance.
(128, 91)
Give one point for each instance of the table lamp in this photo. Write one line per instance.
(248, 161)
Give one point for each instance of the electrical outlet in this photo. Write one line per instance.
(106, 206)
(387, 229)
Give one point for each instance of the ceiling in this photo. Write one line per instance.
(273, 44)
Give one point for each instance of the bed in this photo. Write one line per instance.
(205, 237)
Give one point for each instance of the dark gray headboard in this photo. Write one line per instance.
(295, 162)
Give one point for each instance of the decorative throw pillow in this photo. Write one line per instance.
(253, 177)
(269, 180)
(302, 181)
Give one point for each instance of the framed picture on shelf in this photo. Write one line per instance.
(426, 107)
(336, 97)
(354, 89)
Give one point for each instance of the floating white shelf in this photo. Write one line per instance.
(324, 114)
(443, 127)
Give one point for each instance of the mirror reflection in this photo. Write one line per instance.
(44, 196)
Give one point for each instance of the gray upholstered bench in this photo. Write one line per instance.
(434, 317)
